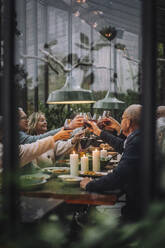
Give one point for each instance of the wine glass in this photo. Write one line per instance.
(94, 118)
(88, 116)
(66, 124)
(106, 114)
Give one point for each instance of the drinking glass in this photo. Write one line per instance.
(66, 124)
(106, 114)
(89, 116)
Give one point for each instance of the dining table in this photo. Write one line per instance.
(55, 188)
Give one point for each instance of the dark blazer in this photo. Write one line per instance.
(125, 177)
(117, 142)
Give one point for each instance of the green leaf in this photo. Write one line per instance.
(84, 39)
(81, 46)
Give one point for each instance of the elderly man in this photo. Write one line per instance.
(24, 138)
(126, 175)
(160, 111)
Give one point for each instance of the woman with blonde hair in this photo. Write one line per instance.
(37, 124)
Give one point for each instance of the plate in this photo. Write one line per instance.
(92, 173)
(69, 179)
(62, 162)
(56, 170)
(39, 176)
(30, 182)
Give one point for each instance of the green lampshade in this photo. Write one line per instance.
(70, 94)
(109, 102)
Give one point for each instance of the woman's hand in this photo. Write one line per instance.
(62, 135)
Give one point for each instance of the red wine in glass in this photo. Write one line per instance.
(87, 124)
(107, 123)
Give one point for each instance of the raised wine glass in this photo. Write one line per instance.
(66, 124)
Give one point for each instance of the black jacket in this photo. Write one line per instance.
(125, 177)
(115, 141)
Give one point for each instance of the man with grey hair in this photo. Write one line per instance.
(126, 175)
(160, 111)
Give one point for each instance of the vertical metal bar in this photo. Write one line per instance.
(25, 91)
(35, 33)
(9, 97)
(46, 68)
(1, 54)
(46, 83)
(148, 101)
(70, 39)
(115, 67)
(110, 65)
(92, 59)
(70, 35)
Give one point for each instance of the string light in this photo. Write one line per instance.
(100, 12)
(95, 12)
(95, 24)
(77, 13)
(81, 1)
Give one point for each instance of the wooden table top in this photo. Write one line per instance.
(72, 194)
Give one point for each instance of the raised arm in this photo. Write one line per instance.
(29, 152)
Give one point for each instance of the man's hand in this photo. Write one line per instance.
(109, 124)
(94, 128)
(84, 182)
(78, 121)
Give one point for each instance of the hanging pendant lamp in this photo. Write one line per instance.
(70, 93)
(108, 102)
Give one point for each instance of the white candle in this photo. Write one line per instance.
(74, 164)
(103, 153)
(84, 163)
(96, 160)
(118, 157)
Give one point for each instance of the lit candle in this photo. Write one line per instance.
(103, 153)
(84, 163)
(74, 164)
(96, 160)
